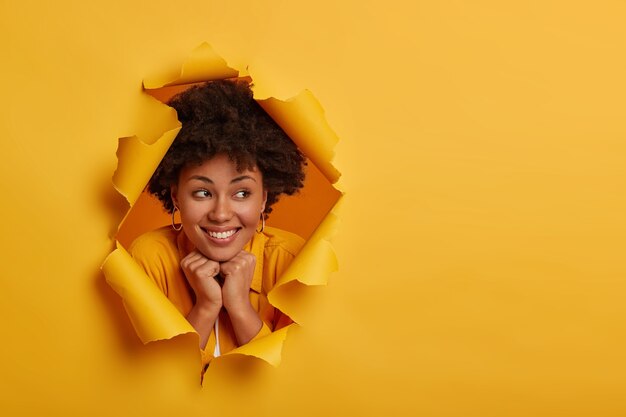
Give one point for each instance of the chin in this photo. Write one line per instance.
(220, 255)
(221, 259)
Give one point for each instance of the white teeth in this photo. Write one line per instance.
(222, 235)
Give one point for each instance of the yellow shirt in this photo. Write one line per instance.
(159, 253)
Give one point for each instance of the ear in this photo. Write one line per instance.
(264, 201)
(174, 194)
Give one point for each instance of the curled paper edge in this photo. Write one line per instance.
(302, 118)
(268, 348)
(203, 64)
(318, 251)
(137, 161)
(153, 316)
(312, 267)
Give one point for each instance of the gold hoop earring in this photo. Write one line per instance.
(180, 227)
(262, 223)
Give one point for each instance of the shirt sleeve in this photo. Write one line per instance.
(281, 251)
(155, 257)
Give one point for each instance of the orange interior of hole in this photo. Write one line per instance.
(299, 214)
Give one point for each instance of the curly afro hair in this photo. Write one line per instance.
(221, 117)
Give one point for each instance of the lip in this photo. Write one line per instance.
(218, 241)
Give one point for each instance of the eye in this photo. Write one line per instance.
(201, 194)
(241, 194)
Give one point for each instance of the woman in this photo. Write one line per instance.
(228, 165)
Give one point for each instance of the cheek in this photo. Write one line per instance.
(251, 214)
(190, 211)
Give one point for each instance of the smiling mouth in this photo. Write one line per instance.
(221, 235)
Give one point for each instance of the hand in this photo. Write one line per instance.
(237, 274)
(200, 272)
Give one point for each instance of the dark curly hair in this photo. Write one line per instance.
(222, 117)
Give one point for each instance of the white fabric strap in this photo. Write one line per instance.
(216, 351)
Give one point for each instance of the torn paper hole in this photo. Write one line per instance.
(152, 314)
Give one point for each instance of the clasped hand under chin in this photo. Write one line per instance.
(219, 283)
(203, 275)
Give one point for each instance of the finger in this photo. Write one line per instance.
(208, 269)
(237, 266)
(191, 258)
(194, 254)
(229, 268)
(199, 263)
(246, 257)
(242, 257)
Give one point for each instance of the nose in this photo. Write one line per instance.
(220, 211)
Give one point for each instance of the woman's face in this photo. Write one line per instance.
(219, 206)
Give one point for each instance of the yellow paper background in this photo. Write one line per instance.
(482, 234)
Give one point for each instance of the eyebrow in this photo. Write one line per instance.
(210, 181)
